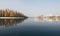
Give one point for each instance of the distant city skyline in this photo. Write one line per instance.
(32, 7)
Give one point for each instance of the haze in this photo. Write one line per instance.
(32, 7)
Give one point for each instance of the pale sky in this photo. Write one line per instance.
(32, 7)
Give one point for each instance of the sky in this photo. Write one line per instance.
(32, 7)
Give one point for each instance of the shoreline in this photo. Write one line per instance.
(12, 17)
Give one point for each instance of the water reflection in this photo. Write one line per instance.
(10, 22)
(45, 19)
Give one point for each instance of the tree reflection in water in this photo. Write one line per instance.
(10, 22)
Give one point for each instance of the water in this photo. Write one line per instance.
(29, 27)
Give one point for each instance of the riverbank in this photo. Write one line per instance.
(12, 17)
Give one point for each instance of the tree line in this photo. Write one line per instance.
(10, 13)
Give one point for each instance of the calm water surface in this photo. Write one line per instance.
(29, 27)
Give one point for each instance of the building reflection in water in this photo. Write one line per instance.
(10, 22)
